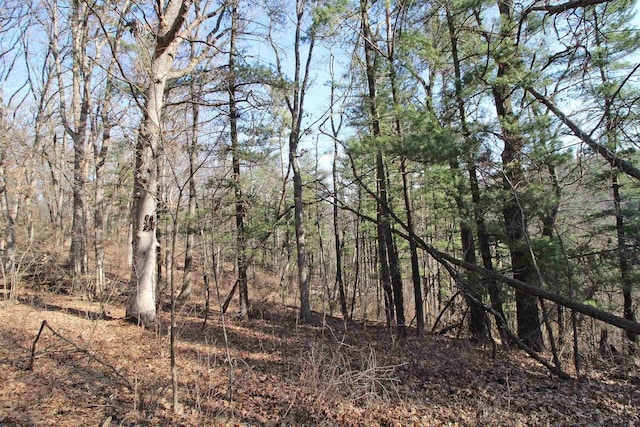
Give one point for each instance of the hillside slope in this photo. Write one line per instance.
(277, 372)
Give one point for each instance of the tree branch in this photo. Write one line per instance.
(440, 257)
(611, 156)
(554, 9)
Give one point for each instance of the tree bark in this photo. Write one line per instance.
(339, 283)
(383, 255)
(141, 305)
(9, 212)
(78, 128)
(187, 278)
(478, 323)
(406, 192)
(413, 250)
(528, 319)
(100, 150)
(295, 104)
(240, 208)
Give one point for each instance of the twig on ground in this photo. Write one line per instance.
(82, 350)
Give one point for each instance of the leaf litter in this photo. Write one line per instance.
(279, 372)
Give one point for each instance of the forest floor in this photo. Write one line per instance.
(98, 370)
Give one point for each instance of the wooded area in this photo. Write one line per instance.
(463, 168)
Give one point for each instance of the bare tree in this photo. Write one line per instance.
(295, 104)
(176, 21)
(101, 145)
(75, 121)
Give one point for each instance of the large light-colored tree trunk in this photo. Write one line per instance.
(175, 25)
(142, 302)
(144, 216)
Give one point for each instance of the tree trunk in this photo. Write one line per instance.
(336, 228)
(623, 259)
(100, 155)
(9, 212)
(78, 128)
(240, 211)
(406, 190)
(528, 318)
(473, 297)
(187, 278)
(78, 250)
(100, 151)
(611, 132)
(478, 320)
(295, 104)
(303, 267)
(493, 286)
(144, 214)
(381, 189)
(396, 280)
(413, 249)
(142, 301)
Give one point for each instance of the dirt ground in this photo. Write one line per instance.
(103, 371)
